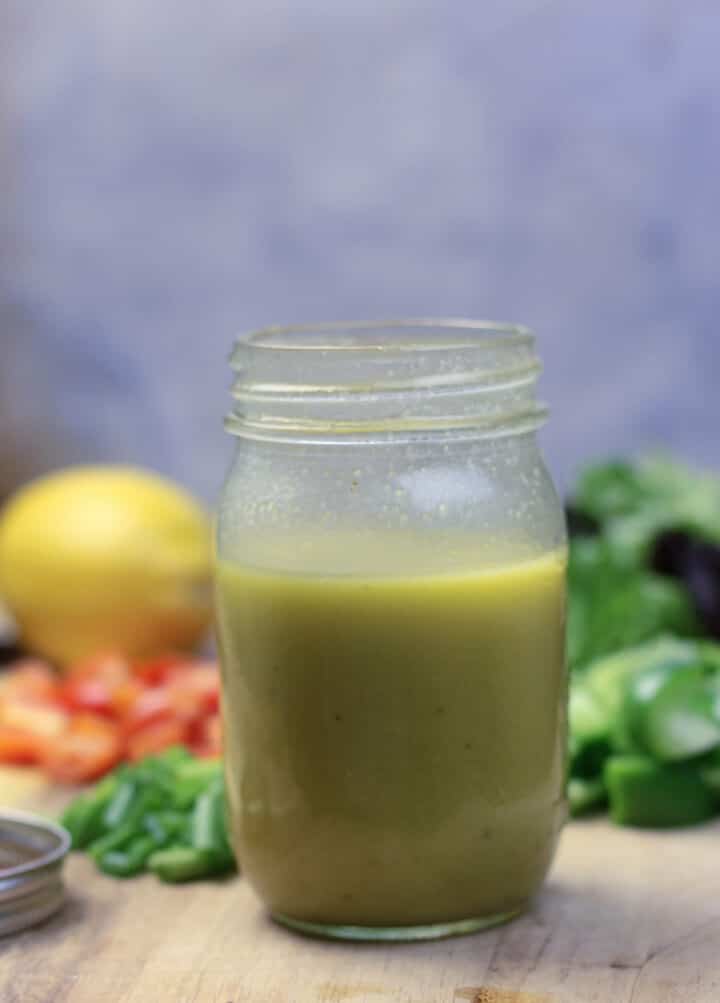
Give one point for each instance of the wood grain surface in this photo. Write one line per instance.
(627, 917)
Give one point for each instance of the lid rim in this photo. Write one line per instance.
(33, 890)
(41, 860)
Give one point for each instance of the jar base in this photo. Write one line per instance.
(398, 934)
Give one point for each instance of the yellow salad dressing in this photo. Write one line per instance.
(395, 743)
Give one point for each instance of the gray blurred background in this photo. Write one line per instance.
(173, 173)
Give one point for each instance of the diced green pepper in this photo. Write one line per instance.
(585, 796)
(168, 802)
(588, 718)
(116, 839)
(164, 826)
(669, 711)
(83, 818)
(587, 759)
(129, 862)
(183, 863)
(174, 755)
(607, 677)
(192, 778)
(208, 829)
(589, 731)
(646, 794)
(709, 768)
(126, 805)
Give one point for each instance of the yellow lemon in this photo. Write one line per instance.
(95, 558)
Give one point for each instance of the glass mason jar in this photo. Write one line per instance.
(391, 617)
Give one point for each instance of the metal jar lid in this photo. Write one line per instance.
(32, 851)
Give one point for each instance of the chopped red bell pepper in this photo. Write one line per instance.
(81, 724)
(155, 737)
(20, 748)
(90, 746)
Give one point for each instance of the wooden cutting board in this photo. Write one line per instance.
(627, 917)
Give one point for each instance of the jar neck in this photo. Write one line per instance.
(397, 380)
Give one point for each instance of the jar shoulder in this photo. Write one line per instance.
(433, 496)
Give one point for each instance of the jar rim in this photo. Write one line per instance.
(335, 381)
(460, 333)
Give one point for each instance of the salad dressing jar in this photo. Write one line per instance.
(391, 613)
